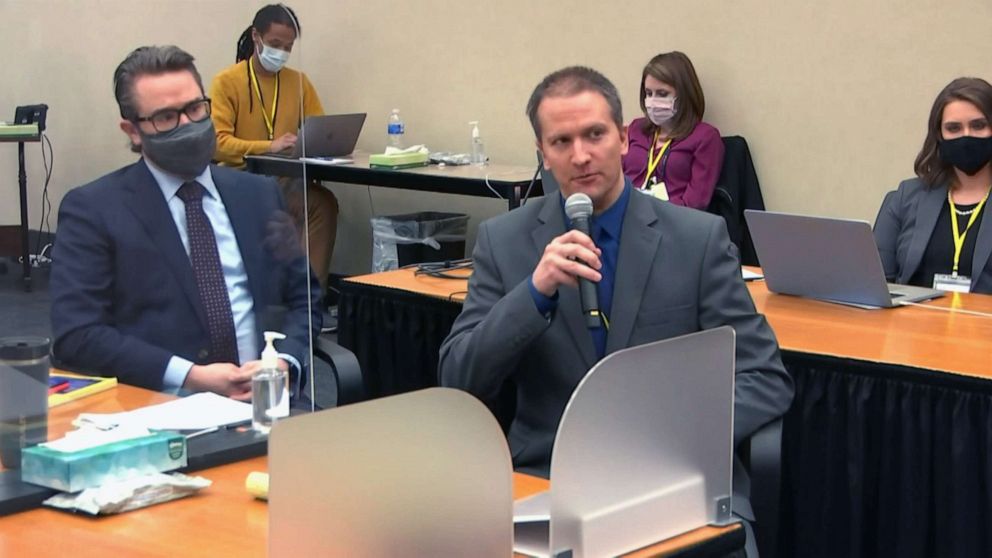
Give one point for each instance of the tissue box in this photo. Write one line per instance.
(17, 130)
(125, 459)
(398, 160)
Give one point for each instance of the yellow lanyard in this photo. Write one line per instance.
(270, 121)
(959, 238)
(652, 160)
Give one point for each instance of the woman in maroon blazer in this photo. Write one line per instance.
(673, 153)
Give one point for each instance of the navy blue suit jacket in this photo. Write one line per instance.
(124, 299)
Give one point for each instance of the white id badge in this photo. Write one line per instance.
(951, 283)
(658, 189)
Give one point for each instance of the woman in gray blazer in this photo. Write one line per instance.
(935, 229)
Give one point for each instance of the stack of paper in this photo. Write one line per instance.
(196, 412)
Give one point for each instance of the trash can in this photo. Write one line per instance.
(427, 236)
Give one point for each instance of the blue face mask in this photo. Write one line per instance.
(272, 59)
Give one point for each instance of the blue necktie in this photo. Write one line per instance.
(209, 276)
(604, 289)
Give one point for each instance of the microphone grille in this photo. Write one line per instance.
(578, 205)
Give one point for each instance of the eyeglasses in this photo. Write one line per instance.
(167, 119)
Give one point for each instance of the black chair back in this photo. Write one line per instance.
(737, 189)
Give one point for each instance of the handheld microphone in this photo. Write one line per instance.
(578, 207)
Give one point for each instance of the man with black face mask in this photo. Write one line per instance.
(166, 272)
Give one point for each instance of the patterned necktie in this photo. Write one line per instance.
(209, 276)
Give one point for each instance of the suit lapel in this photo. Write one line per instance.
(983, 248)
(145, 200)
(240, 212)
(552, 224)
(639, 242)
(927, 212)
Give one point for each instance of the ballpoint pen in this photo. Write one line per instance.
(58, 388)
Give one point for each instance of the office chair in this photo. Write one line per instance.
(723, 205)
(737, 189)
(762, 455)
(344, 365)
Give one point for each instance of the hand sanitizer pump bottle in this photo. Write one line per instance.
(478, 148)
(269, 388)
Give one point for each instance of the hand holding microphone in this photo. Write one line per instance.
(573, 259)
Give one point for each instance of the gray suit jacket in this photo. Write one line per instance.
(905, 224)
(677, 273)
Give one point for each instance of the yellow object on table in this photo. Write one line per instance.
(257, 484)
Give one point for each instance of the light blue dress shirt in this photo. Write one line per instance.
(235, 276)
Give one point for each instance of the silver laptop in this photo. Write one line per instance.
(332, 135)
(835, 260)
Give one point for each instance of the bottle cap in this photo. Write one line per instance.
(23, 348)
(270, 357)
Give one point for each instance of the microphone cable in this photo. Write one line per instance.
(443, 269)
(531, 185)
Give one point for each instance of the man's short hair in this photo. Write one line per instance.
(144, 61)
(572, 81)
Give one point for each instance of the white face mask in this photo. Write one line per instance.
(272, 59)
(659, 109)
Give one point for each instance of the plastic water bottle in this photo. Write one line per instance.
(395, 129)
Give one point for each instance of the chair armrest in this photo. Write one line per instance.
(765, 465)
(347, 371)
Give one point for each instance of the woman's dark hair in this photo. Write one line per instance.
(273, 13)
(928, 166)
(675, 69)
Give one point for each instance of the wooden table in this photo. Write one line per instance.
(222, 520)
(936, 340)
(926, 338)
(452, 290)
(885, 448)
(508, 182)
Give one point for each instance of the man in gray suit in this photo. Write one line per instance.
(661, 271)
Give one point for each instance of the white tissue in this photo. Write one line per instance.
(421, 148)
(131, 494)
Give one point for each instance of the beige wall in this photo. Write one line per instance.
(832, 97)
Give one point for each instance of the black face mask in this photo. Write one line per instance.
(968, 154)
(184, 151)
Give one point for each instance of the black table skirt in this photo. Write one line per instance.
(394, 334)
(878, 460)
(883, 460)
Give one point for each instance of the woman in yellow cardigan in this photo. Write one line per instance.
(257, 109)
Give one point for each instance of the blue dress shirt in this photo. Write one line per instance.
(606, 229)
